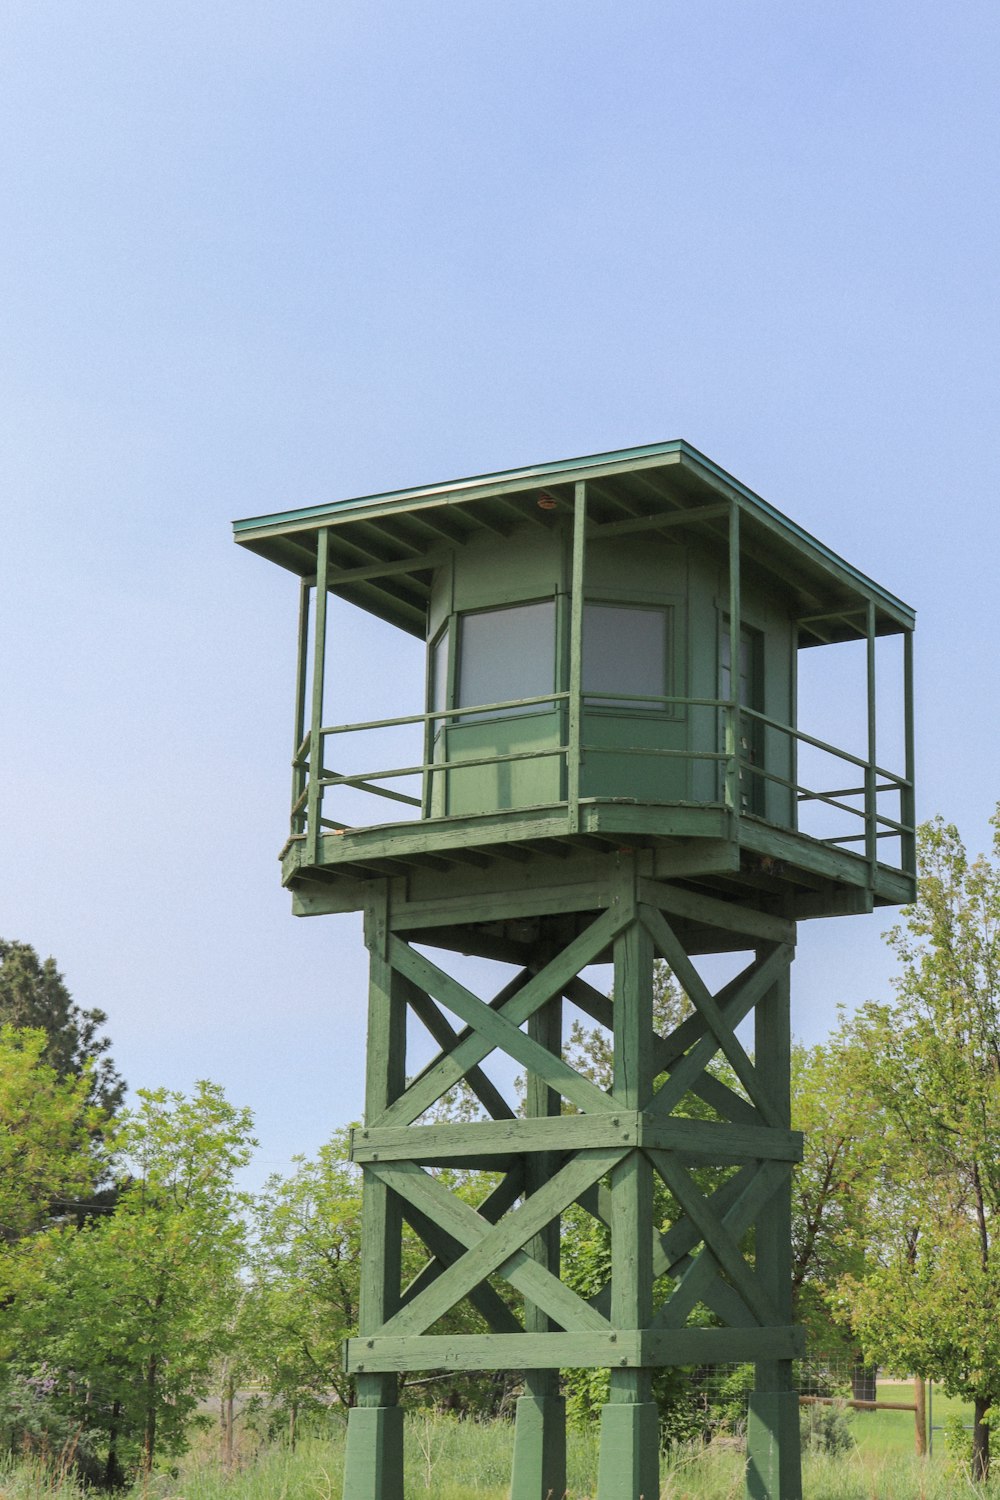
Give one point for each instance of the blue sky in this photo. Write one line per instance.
(257, 256)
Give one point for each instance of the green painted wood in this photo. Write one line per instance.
(491, 1210)
(737, 997)
(439, 1027)
(714, 1346)
(698, 993)
(620, 1349)
(907, 799)
(718, 1142)
(732, 712)
(601, 531)
(549, 981)
(704, 1269)
(498, 1248)
(445, 1250)
(629, 1462)
(574, 759)
(495, 1029)
(373, 1459)
(501, 1351)
(517, 902)
(315, 802)
(632, 1176)
(486, 1138)
(871, 807)
(773, 1463)
(720, 1244)
(299, 780)
(539, 1467)
(699, 907)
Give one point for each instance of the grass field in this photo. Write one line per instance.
(448, 1459)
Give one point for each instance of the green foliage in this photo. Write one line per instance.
(33, 994)
(825, 1429)
(47, 1149)
(929, 1062)
(305, 1279)
(134, 1307)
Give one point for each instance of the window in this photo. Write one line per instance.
(439, 678)
(507, 653)
(625, 652)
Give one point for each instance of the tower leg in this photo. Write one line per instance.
(629, 1467)
(539, 1469)
(774, 1465)
(373, 1461)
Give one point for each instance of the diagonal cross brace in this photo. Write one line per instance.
(704, 1001)
(499, 1247)
(448, 1038)
(719, 1242)
(704, 1268)
(549, 981)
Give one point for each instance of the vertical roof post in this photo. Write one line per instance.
(574, 758)
(871, 799)
(732, 709)
(315, 803)
(908, 804)
(299, 751)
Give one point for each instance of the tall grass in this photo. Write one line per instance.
(448, 1459)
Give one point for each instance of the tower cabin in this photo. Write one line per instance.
(613, 650)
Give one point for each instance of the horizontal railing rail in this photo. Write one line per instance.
(739, 769)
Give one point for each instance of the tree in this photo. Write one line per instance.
(33, 993)
(306, 1279)
(138, 1302)
(930, 1063)
(832, 1187)
(47, 1147)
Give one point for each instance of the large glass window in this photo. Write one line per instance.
(507, 653)
(625, 653)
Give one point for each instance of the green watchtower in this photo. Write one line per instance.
(608, 767)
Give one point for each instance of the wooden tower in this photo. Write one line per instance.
(607, 768)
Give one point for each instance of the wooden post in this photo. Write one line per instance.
(732, 709)
(774, 1468)
(301, 672)
(373, 1463)
(871, 778)
(574, 759)
(908, 850)
(920, 1416)
(315, 803)
(540, 1430)
(630, 1446)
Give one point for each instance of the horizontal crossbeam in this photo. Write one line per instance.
(715, 1141)
(630, 1349)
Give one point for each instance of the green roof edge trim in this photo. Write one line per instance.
(243, 529)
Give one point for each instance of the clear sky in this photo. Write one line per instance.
(258, 255)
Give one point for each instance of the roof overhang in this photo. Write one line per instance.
(384, 547)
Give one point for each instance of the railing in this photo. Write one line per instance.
(744, 772)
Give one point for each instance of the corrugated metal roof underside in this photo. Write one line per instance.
(385, 547)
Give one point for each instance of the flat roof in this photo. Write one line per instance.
(395, 538)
